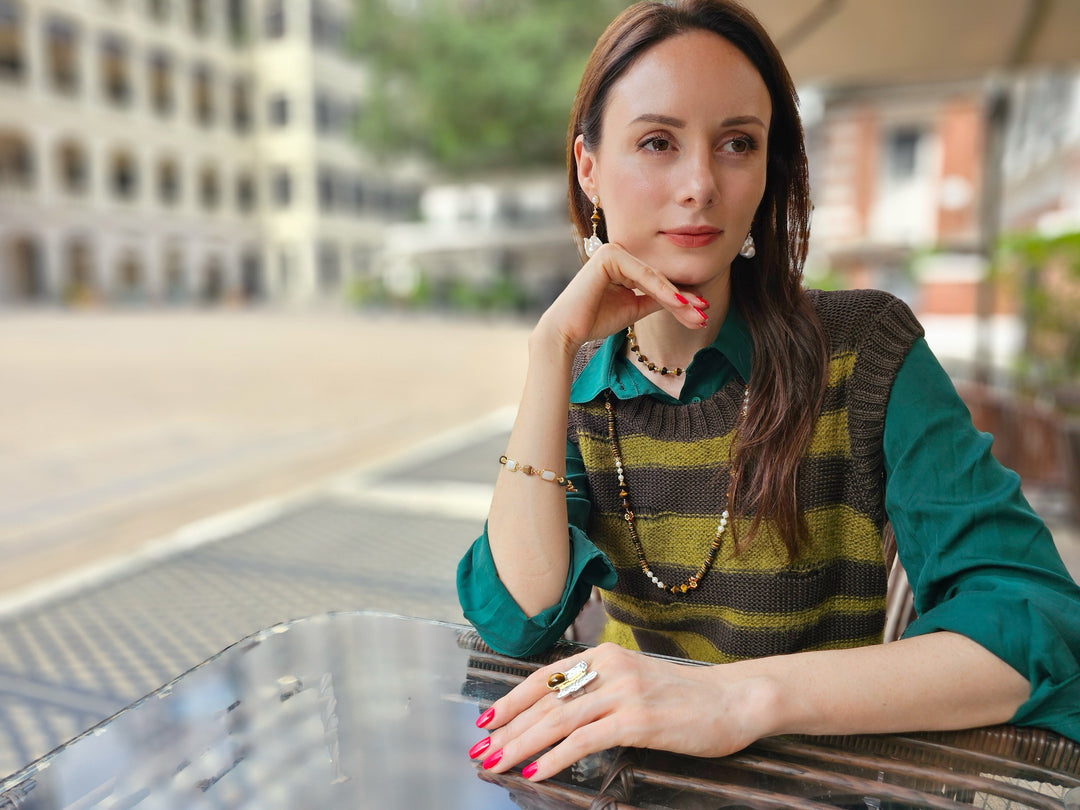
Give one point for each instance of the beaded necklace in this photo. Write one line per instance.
(663, 371)
(624, 493)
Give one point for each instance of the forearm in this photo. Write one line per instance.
(934, 682)
(527, 523)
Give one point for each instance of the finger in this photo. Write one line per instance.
(526, 693)
(632, 272)
(588, 739)
(541, 727)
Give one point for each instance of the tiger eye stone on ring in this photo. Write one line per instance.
(555, 680)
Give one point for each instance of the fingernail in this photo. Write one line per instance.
(529, 771)
(485, 718)
(704, 303)
(704, 317)
(479, 748)
(681, 300)
(493, 760)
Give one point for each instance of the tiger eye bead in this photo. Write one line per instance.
(555, 680)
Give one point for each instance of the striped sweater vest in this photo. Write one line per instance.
(676, 461)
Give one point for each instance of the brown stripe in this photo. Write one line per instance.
(735, 641)
(701, 491)
(768, 592)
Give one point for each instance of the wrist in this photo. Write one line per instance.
(550, 343)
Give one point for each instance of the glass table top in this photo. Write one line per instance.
(363, 710)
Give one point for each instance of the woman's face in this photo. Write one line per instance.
(680, 168)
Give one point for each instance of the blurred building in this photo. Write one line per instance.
(897, 176)
(505, 243)
(171, 150)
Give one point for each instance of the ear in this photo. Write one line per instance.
(586, 167)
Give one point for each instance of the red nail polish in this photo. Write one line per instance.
(529, 771)
(704, 303)
(492, 760)
(479, 748)
(485, 718)
(704, 317)
(681, 300)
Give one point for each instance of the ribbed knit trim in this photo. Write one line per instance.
(880, 329)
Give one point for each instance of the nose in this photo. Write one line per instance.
(699, 187)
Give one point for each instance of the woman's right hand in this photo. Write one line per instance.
(612, 291)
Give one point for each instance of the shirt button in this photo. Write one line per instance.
(696, 399)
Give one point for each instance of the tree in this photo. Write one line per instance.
(475, 84)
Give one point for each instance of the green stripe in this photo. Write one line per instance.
(837, 532)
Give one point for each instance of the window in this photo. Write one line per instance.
(159, 10)
(241, 104)
(209, 188)
(11, 46)
(168, 182)
(16, 162)
(26, 270)
(73, 167)
(203, 95)
(124, 176)
(199, 16)
(359, 195)
(129, 277)
(325, 118)
(275, 19)
(279, 110)
(327, 28)
(326, 189)
(251, 281)
(62, 49)
(78, 271)
(245, 192)
(282, 188)
(237, 16)
(902, 152)
(115, 78)
(161, 82)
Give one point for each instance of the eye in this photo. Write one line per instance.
(740, 145)
(656, 143)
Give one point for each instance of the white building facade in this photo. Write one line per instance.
(184, 150)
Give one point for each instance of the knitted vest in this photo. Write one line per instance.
(676, 462)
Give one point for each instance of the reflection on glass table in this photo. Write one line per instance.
(362, 710)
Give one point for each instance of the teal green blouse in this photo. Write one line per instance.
(980, 560)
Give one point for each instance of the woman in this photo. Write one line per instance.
(734, 449)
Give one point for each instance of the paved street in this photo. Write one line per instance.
(116, 428)
(172, 482)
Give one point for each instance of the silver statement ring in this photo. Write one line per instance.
(571, 681)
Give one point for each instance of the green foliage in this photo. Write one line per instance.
(475, 84)
(1046, 271)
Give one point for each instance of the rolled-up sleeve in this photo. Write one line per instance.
(490, 608)
(980, 560)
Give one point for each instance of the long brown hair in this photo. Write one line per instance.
(787, 383)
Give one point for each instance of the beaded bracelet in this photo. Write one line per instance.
(546, 475)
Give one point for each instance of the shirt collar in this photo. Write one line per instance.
(733, 342)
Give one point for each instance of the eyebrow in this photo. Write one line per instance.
(678, 123)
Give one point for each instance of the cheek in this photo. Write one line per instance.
(633, 198)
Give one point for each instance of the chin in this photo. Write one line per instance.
(692, 271)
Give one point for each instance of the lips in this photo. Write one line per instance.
(692, 236)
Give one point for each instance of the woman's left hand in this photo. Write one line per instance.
(635, 700)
